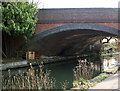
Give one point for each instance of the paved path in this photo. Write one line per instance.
(109, 83)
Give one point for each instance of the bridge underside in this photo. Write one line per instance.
(69, 39)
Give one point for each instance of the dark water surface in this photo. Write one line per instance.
(64, 71)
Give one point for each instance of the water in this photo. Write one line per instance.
(64, 71)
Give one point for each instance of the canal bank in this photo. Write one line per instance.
(26, 63)
(112, 82)
(91, 83)
(61, 72)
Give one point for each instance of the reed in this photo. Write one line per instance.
(84, 69)
(29, 80)
(64, 85)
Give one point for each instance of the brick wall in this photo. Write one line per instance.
(43, 27)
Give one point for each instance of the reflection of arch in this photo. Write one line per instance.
(69, 39)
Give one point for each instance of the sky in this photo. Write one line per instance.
(78, 3)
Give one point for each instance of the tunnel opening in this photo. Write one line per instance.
(69, 40)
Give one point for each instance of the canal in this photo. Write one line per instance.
(63, 72)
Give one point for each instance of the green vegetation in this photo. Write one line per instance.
(18, 21)
(19, 18)
(103, 46)
(110, 47)
(82, 84)
(99, 78)
(85, 84)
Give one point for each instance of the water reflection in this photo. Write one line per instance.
(64, 71)
(109, 62)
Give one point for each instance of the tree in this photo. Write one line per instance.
(18, 19)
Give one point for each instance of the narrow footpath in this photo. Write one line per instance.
(112, 82)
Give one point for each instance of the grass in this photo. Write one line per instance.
(89, 83)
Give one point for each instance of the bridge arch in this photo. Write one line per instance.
(70, 39)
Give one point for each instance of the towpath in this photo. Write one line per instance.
(112, 82)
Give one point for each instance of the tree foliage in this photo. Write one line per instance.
(19, 18)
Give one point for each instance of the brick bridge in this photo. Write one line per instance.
(70, 31)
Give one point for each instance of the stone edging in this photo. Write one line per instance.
(13, 65)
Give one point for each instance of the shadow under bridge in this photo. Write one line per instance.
(70, 39)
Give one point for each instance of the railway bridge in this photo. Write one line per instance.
(70, 31)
